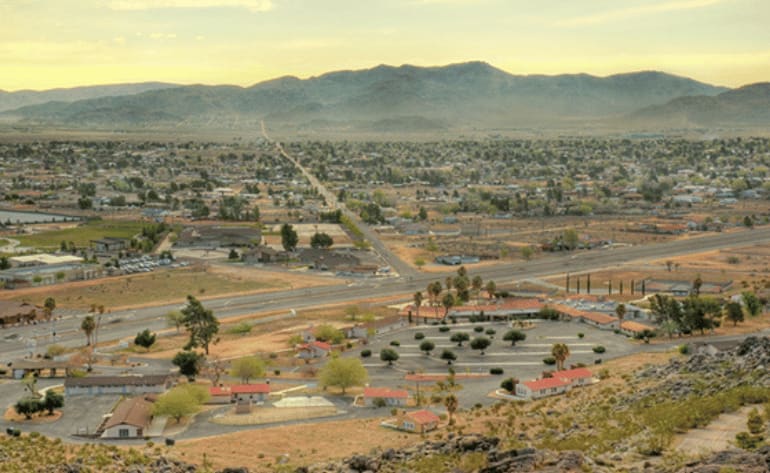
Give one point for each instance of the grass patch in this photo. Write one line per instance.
(82, 234)
(241, 328)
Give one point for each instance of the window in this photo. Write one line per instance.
(123, 433)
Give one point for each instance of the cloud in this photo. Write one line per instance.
(162, 35)
(251, 5)
(632, 12)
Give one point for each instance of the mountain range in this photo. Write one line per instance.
(472, 95)
(22, 98)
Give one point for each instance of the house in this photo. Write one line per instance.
(109, 245)
(138, 384)
(631, 328)
(392, 397)
(542, 388)
(575, 376)
(314, 349)
(596, 319)
(418, 421)
(516, 307)
(220, 395)
(129, 420)
(12, 312)
(250, 393)
(376, 327)
(55, 368)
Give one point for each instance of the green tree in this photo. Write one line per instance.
(4, 263)
(560, 352)
(491, 289)
(175, 318)
(734, 312)
(448, 356)
(527, 252)
(321, 240)
(289, 238)
(699, 312)
(451, 404)
(247, 368)
(422, 214)
(28, 406)
(480, 344)
(328, 333)
(48, 307)
(233, 255)
(189, 363)
(752, 303)
(88, 325)
(343, 372)
(509, 384)
(427, 346)
(417, 298)
(459, 338)
(447, 302)
(145, 339)
(570, 238)
(201, 324)
(514, 336)
(52, 400)
(389, 355)
(177, 403)
(620, 311)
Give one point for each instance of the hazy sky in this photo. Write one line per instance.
(55, 43)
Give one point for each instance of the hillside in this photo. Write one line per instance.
(22, 98)
(745, 106)
(471, 94)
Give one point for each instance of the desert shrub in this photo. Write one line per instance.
(366, 353)
(495, 371)
(549, 360)
(443, 328)
(395, 343)
(599, 349)
(419, 336)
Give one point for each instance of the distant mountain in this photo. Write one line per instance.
(747, 106)
(472, 94)
(22, 98)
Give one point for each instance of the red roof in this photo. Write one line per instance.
(219, 390)
(250, 388)
(386, 393)
(575, 373)
(597, 317)
(632, 326)
(423, 417)
(546, 383)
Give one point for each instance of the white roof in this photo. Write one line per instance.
(45, 258)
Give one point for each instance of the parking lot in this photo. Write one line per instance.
(523, 361)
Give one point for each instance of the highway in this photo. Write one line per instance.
(116, 325)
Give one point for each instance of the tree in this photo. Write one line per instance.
(476, 284)
(88, 325)
(422, 214)
(698, 312)
(4, 263)
(327, 333)
(417, 297)
(175, 318)
(28, 406)
(189, 363)
(668, 313)
(491, 289)
(343, 372)
(321, 240)
(734, 312)
(434, 290)
(459, 338)
(752, 303)
(448, 356)
(233, 255)
(201, 324)
(570, 238)
(755, 423)
(447, 302)
(247, 367)
(289, 238)
(48, 307)
(560, 352)
(480, 343)
(145, 339)
(52, 400)
(514, 336)
(527, 252)
(620, 311)
(451, 404)
(696, 285)
(388, 354)
(427, 346)
(177, 403)
(509, 384)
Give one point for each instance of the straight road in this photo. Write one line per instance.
(127, 323)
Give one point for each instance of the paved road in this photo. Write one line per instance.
(127, 323)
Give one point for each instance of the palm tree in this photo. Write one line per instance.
(435, 291)
(476, 284)
(88, 326)
(560, 352)
(417, 302)
(448, 301)
(448, 283)
(450, 402)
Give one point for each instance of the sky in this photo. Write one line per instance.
(64, 43)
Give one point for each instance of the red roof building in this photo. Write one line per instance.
(392, 397)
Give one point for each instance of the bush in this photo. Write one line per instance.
(419, 336)
(379, 402)
(443, 328)
(549, 360)
(395, 343)
(478, 329)
(509, 384)
(581, 335)
(599, 349)
(366, 353)
(277, 372)
(684, 349)
(497, 371)
(240, 329)
(604, 374)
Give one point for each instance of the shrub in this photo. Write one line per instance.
(240, 329)
(419, 336)
(549, 360)
(599, 349)
(509, 384)
(478, 329)
(443, 328)
(495, 371)
(604, 374)
(366, 353)
(684, 349)
(581, 335)
(379, 402)
(277, 372)
(395, 343)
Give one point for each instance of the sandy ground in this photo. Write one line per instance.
(718, 435)
(268, 415)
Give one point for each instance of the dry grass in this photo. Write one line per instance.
(271, 415)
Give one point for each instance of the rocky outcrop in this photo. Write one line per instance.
(732, 460)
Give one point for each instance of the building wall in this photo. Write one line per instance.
(256, 397)
(389, 401)
(114, 432)
(96, 390)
